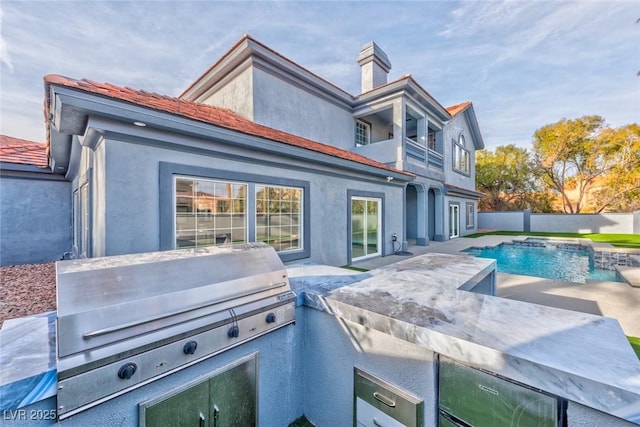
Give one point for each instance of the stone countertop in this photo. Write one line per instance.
(581, 357)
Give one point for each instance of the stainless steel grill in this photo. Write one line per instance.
(125, 321)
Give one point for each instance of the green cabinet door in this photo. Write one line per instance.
(189, 408)
(233, 397)
(225, 399)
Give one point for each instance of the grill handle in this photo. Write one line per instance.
(109, 330)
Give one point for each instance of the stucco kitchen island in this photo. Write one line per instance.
(397, 323)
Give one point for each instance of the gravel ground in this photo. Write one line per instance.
(27, 289)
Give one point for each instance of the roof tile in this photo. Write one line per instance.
(455, 109)
(209, 114)
(21, 151)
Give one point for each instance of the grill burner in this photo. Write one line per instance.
(125, 321)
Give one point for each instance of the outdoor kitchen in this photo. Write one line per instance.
(230, 336)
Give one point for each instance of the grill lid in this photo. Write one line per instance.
(105, 301)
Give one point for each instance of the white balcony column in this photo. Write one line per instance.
(399, 111)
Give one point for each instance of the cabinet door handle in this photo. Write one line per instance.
(202, 420)
(376, 423)
(384, 399)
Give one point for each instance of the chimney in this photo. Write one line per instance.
(375, 66)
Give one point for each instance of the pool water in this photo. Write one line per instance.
(549, 262)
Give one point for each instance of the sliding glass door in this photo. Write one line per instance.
(454, 221)
(366, 227)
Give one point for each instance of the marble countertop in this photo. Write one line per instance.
(582, 357)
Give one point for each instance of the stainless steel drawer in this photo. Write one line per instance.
(381, 404)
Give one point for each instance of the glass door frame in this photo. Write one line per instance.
(366, 199)
(454, 220)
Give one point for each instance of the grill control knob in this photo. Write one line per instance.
(190, 347)
(271, 318)
(233, 332)
(127, 370)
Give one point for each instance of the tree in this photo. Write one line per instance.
(506, 177)
(579, 153)
(619, 190)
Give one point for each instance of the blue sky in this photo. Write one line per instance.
(524, 64)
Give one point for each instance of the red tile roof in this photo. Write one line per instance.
(455, 109)
(21, 151)
(208, 114)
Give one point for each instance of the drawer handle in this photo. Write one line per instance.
(376, 423)
(384, 399)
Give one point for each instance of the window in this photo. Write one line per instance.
(363, 133)
(279, 217)
(202, 206)
(210, 212)
(461, 158)
(431, 140)
(470, 215)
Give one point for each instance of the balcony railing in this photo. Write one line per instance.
(436, 159)
(415, 150)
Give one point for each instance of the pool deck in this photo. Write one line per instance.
(610, 299)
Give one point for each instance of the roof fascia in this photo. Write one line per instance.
(96, 106)
(249, 49)
(470, 115)
(23, 167)
(405, 86)
(463, 192)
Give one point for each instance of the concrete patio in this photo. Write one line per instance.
(610, 299)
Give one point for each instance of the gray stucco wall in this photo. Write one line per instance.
(286, 107)
(583, 416)
(236, 94)
(35, 218)
(458, 125)
(507, 221)
(333, 347)
(132, 201)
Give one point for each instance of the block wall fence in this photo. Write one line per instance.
(623, 223)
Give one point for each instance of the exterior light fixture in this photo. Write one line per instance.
(140, 124)
(389, 178)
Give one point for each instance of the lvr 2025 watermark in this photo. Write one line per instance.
(29, 414)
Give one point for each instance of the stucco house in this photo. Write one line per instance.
(260, 149)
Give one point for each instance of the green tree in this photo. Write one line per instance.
(506, 177)
(572, 156)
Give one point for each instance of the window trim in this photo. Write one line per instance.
(168, 170)
(470, 220)
(460, 152)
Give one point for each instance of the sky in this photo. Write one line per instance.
(523, 64)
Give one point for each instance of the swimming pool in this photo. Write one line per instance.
(545, 260)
